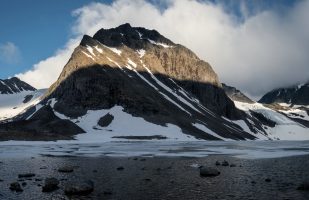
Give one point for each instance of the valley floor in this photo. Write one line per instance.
(158, 177)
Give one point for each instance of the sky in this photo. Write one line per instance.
(255, 46)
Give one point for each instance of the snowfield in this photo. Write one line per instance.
(12, 104)
(285, 129)
(122, 125)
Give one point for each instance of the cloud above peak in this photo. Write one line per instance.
(262, 51)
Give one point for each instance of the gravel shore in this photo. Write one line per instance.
(153, 178)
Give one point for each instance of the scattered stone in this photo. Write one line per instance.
(169, 167)
(38, 179)
(51, 184)
(208, 172)
(16, 187)
(23, 184)
(304, 186)
(197, 185)
(27, 175)
(147, 179)
(225, 163)
(253, 182)
(120, 168)
(1, 180)
(268, 180)
(66, 169)
(218, 163)
(232, 165)
(79, 188)
(44, 167)
(59, 197)
(95, 171)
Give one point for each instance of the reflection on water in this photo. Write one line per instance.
(241, 149)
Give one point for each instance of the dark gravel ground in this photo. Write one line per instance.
(158, 178)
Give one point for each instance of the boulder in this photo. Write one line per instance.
(208, 172)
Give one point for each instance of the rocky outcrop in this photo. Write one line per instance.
(14, 85)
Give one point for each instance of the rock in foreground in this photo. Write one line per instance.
(208, 172)
(51, 184)
(16, 187)
(79, 188)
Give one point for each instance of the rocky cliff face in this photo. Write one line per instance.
(14, 85)
(296, 95)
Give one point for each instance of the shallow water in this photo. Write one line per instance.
(240, 149)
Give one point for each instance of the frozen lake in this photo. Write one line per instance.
(240, 149)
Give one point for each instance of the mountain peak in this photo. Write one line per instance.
(124, 26)
(298, 95)
(133, 37)
(14, 85)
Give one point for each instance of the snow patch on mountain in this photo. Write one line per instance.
(89, 56)
(98, 49)
(159, 44)
(207, 130)
(141, 53)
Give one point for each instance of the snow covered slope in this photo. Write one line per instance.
(285, 123)
(14, 104)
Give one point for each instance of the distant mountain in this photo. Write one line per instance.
(296, 95)
(14, 85)
(235, 94)
(133, 83)
(16, 97)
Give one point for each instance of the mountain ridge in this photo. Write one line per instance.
(14, 85)
(294, 95)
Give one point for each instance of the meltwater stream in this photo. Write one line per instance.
(240, 149)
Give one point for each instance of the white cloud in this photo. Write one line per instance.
(9, 53)
(46, 72)
(263, 51)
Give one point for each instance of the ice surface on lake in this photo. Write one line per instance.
(241, 149)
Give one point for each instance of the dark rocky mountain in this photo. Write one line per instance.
(296, 95)
(149, 76)
(14, 85)
(235, 94)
